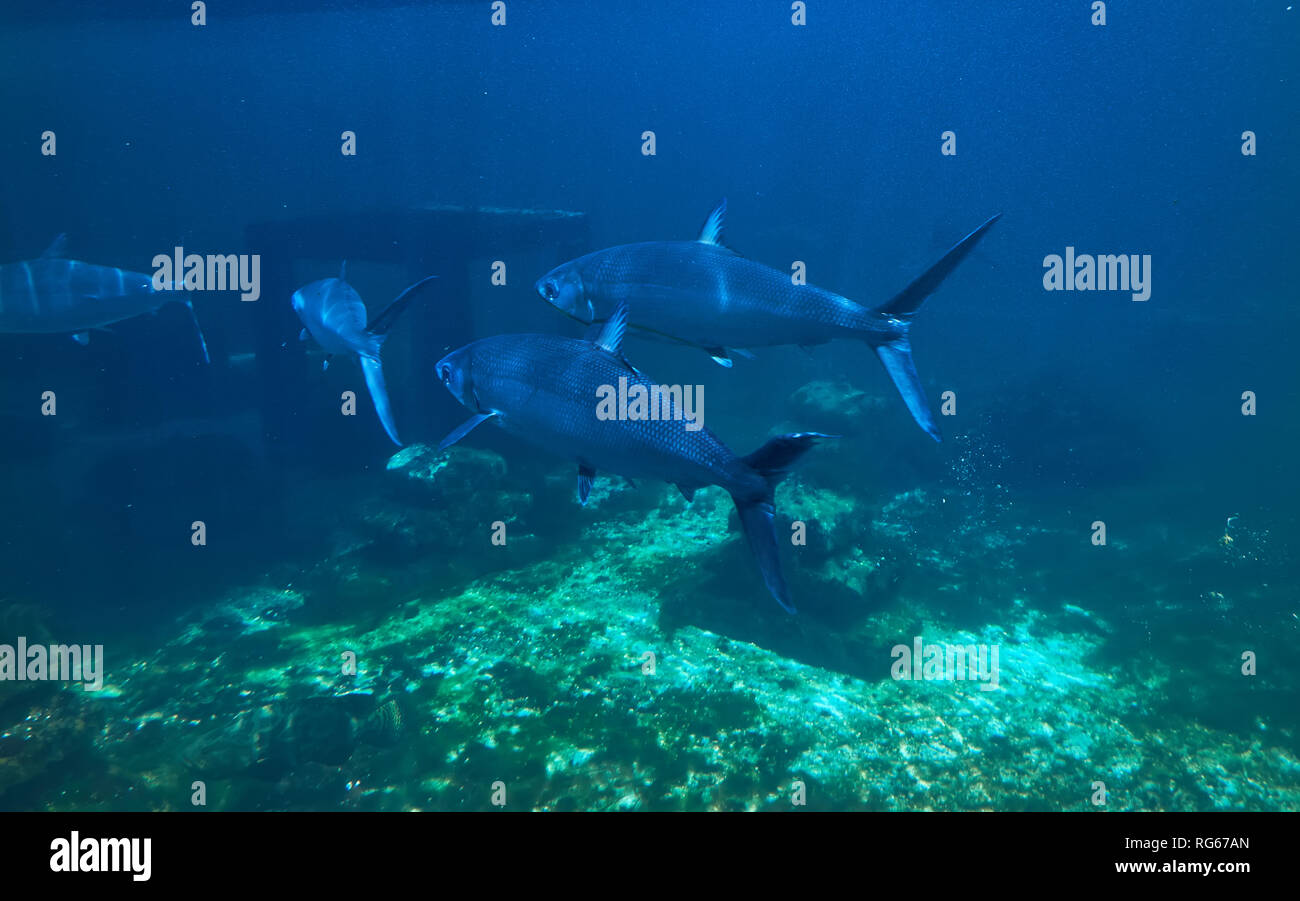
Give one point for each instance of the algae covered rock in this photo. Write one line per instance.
(460, 499)
(455, 474)
(51, 737)
(834, 407)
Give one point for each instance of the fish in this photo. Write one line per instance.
(545, 388)
(333, 313)
(55, 295)
(701, 293)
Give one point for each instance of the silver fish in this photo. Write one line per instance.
(703, 294)
(55, 295)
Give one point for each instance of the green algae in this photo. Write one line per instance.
(537, 677)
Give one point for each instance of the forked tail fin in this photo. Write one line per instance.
(384, 320)
(376, 332)
(897, 357)
(756, 520)
(374, 374)
(892, 345)
(771, 461)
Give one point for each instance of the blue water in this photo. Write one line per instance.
(1072, 407)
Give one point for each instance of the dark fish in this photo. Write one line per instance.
(545, 388)
(55, 295)
(702, 294)
(335, 316)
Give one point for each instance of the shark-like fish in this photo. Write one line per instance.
(55, 295)
(545, 389)
(703, 294)
(333, 313)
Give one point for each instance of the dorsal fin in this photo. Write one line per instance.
(611, 334)
(711, 233)
(57, 250)
(343, 271)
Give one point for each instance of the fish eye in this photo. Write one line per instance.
(550, 290)
(444, 373)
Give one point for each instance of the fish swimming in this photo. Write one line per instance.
(55, 295)
(334, 314)
(544, 388)
(701, 293)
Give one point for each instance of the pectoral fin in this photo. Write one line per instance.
(719, 355)
(586, 475)
(464, 429)
(722, 355)
(203, 343)
(304, 335)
